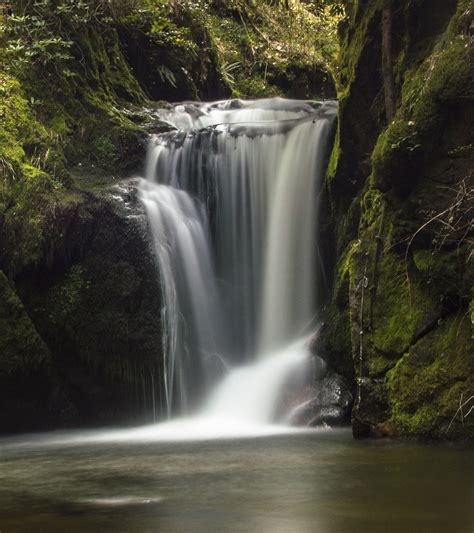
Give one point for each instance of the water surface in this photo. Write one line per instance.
(315, 481)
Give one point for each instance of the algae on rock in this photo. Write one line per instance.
(411, 183)
(25, 364)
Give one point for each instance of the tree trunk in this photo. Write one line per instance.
(387, 61)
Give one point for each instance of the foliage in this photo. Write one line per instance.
(259, 44)
(66, 82)
(336, 8)
(38, 31)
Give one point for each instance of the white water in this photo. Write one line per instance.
(242, 405)
(232, 201)
(181, 239)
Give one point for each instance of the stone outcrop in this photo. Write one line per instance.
(81, 336)
(399, 204)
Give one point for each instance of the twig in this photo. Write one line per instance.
(459, 410)
(462, 194)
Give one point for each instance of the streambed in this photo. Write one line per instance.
(310, 481)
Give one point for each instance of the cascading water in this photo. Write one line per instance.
(232, 201)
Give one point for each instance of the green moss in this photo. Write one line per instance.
(398, 307)
(102, 294)
(21, 348)
(66, 296)
(359, 99)
(354, 43)
(394, 301)
(105, 152)
(19, 128)
(446, 270)
(426, 385)
(378, 364)
(346, 265)
(402, 175)
(52, 121)
(28, 216)
(396, 155)
(428, 93)
(271, 50)
(336, 156)
(372, 207)
(335, 342)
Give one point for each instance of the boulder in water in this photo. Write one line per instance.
(329, 403)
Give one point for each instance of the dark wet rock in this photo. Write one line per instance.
(330, 400)
(396, 201)
(92, 306)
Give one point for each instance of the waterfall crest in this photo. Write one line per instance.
(232, 201)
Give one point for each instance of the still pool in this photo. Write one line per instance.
(312, 481)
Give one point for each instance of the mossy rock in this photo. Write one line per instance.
(430, 381)
(431, 92)
(26, 373)
(408, 276)
(360, 106)
(399, 307)
(95, 298)
(21, 348)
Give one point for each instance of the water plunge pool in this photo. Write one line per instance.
(318, 481)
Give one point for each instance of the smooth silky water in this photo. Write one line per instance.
(318, 481)
(232, 201)
(232, 198)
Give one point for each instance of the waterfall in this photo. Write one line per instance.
(232, 201)
(191, 310)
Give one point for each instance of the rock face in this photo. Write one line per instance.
(329, 403)
(322, 396)
(399, 201)
(81, 338)
(25, 360)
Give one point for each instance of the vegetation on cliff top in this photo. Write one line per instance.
(75, 75)
(273, 48)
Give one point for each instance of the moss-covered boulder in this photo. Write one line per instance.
(81, 340)
(406, 271)
(25, 364)
(430, 387)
